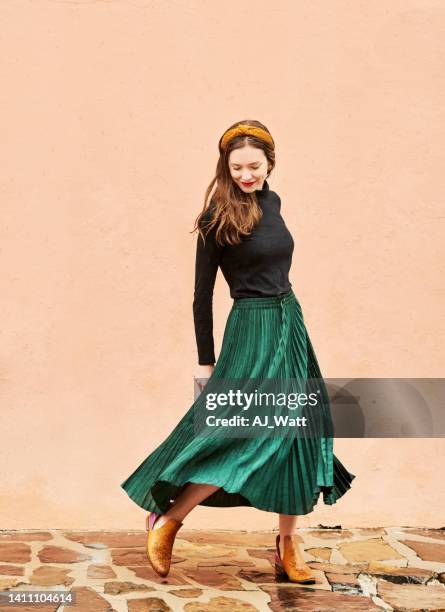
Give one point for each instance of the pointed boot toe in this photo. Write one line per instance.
(160, 543)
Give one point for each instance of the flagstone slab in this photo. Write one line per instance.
(25, 536)
(437, 534)
(146, 572)
(88, 600)
(347, 583)
(116, 587)
(100, 571)
(262, 553)
(11, 570)
(412, 596)
(149, 604)
(337, 568)
(320, 553)
(213, 578)
(187, 593)
(368, 550)
(298, 598)
(203, 552)
(59, 554)
(15, 552)
(129, 556)
(428, 551)
(346, 579)
(258, 576)
(112, 539)
(400, 575)
(220, 604)
(228, 538)
(45, 575)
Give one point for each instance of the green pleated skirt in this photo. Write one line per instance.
(263, 338)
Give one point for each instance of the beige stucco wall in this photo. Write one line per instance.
(110, 119)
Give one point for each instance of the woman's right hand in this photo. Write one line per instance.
(203, 371)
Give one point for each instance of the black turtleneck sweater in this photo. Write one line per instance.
(257, 267)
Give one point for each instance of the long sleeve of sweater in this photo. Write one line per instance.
(208, 254)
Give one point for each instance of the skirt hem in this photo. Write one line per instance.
(331, 494)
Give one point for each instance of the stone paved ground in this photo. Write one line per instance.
(357, 569)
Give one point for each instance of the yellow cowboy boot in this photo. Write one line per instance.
(287, 566)
(160, 543)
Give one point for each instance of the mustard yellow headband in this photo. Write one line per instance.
(246, 130)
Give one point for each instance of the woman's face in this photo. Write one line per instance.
(248, 167)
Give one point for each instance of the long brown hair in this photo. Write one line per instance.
(235, 213)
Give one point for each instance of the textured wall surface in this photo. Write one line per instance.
(110, 120)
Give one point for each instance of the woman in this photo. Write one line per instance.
(242, 232)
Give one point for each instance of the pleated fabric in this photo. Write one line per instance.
(265, 338)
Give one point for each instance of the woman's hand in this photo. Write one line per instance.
(203, 371)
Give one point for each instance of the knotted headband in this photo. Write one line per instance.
(246, 130)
